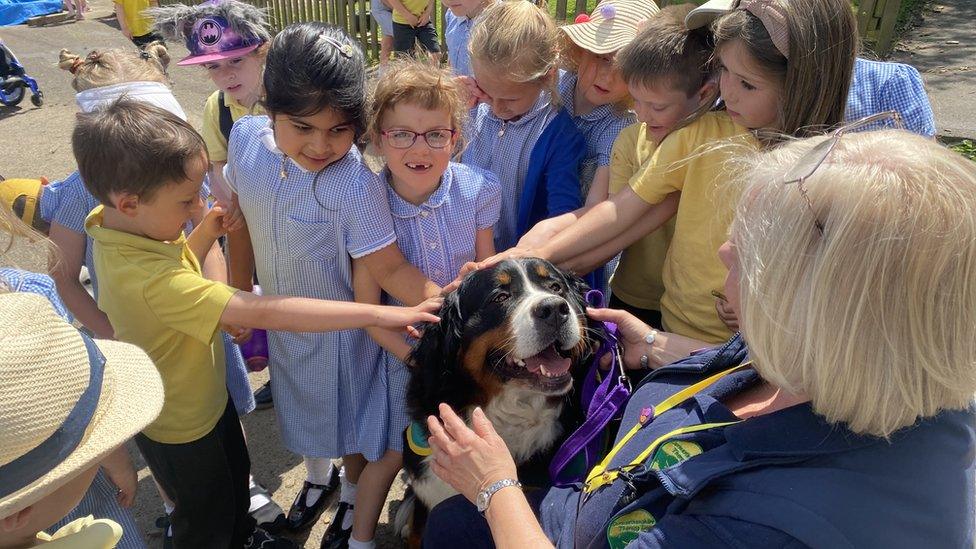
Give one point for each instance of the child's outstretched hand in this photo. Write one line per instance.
(233, 217)
(405, 317)
(213, 222)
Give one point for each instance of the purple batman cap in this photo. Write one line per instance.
(212, 39)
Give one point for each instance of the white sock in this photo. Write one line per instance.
(356, 544)
(347, 490)
(258, 500)
(317, 471)
(168, 507)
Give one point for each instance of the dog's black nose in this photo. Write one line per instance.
(551, 310)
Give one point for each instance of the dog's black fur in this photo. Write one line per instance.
(495, 331)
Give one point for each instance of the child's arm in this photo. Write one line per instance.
(241, 258)
(120, 17)
(205, 233)
(72, 246)
(600, 188)
(300, 314)
(118, 468)
(398, 277)
(368, 291)
(484, 244)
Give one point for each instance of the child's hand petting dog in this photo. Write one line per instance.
(406, 317)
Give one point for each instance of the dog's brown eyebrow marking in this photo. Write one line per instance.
(542, 271)
(503, 277)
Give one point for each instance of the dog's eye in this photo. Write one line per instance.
(556, 287)
(500, 297)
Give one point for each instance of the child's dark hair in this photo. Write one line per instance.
(312, 66)
(665, 50)
(133, 147)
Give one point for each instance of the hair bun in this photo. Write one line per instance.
(69, 61)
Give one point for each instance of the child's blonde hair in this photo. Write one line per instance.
(872, 318)
(30, 245)
(517, 40)
(421, 84)
(116, 66)
(823, 44)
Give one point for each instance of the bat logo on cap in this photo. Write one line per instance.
(209, 32)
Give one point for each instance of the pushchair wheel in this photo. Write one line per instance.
(13, 95)
(37, 99)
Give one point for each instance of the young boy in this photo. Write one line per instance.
(133, 23)
(413, 22)
(666, 70)
(69, 403)
(146, 165)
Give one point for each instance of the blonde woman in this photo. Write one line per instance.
(848, 421)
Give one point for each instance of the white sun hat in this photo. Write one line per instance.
(707, 12)
(612, 25)
(66, 401)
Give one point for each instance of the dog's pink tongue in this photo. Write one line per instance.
(549, 361)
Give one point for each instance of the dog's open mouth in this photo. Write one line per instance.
(548, 370)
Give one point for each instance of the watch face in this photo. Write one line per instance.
(482, 500)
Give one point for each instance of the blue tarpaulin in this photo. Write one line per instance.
(15, 12)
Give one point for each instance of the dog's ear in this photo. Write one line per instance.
(434, 357)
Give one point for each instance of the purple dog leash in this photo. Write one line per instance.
(603, 401)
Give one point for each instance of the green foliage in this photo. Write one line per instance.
(966, 147)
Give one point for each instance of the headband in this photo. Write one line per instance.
(773, 17)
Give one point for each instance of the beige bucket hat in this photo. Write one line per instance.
(611, 26)
(707, 12)
(66, 401)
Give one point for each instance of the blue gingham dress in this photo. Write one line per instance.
(507, 156)
(879, 86)
(457, 34)
(99, 500)
(438, 237)
(69, 207)
(599, 127)
(330, 389)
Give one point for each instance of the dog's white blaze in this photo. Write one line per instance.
(525, 421)
(523, 323)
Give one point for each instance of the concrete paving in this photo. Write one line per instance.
(943, 48)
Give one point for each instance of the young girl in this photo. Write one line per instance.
(443, 213)
(786, 67)
(520, 132)
(234, 63)
(593, 91)
(458, 20)
(311, 204)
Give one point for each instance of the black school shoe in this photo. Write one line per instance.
(335, 537)
(163, 523)
(301, 516)
(269, 516)
(263, 398)
(261, 539)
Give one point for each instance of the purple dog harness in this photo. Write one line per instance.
(603, 400)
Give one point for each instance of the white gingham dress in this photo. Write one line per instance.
(330, 390)
(438, 237)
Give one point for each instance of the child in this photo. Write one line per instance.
(521, 133)
(383, 16)
(311, 204)
(458, 21)
(234, 63)
(156, 297)
(593, 92)
(413, 23)
(135, 24)
(111, 390)
(415, 121)
(768, 87)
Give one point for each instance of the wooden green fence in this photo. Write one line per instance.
(876, 18)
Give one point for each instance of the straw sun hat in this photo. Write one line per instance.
(65, 401)
(611, 26)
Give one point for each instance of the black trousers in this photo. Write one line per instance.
(207, 479)
(649, 316)
(405, 36)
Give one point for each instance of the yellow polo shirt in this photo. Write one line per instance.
(139, 23)
(415, 7)
(684, 162)
(638, 279)
(214, 139)
(156, 297)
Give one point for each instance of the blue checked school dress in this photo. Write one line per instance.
(438, 237)
(330, 389)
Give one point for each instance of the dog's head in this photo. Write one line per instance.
(521, 321)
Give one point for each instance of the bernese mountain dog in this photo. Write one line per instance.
(511, 339)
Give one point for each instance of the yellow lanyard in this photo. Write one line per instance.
(600, 476)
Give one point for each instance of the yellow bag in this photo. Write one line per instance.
(23, 197)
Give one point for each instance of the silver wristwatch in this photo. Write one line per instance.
(484, 496)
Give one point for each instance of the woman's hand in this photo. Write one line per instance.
(725, 313)
(468, 459)
(632, 333)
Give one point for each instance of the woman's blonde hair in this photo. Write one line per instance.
(23, 247)
(418, 83)
(873, 318)
(518, 40)
(116, 66)
(823, 44)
